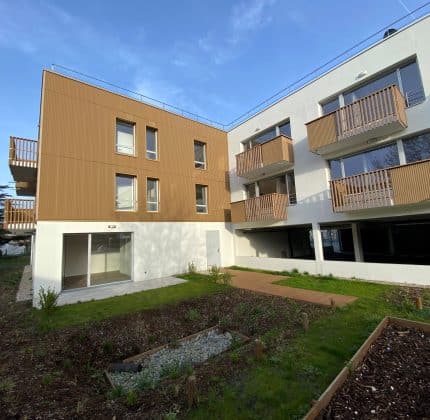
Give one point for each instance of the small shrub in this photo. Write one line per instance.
(67, 364)
(47, 379)
(174, 343)
(235, 356)
(214, 273)
(152, 339)
(131, 398)
(294, 271)
(192, 269)
(171, 415)
(192, 315)
(107, 347)
(6, 385)
(116, 392)
(305, 273)
(48, 299)
(145, 382)
(175, 370)
(226, 278)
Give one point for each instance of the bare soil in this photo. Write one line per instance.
(59, 374)
(393, 382)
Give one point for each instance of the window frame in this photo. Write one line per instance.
(146, 143)
(134, 192)
(247, 144)
(206, 195)
(197, 162)
(125, 122)
(157, 192)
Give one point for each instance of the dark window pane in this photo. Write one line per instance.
(331, 106)
(250, 190)
(264, 137)
(353, 165)
(199, 155)
(384, 157)
(285, 129)
(412, 85)
(151, 143)
(368, 88)
(335, 169)
(417, 148)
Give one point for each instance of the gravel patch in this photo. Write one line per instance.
(175, 359)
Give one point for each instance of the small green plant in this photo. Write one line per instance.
(235, 356)
(67, 364)
(171, 415)
(145, 382)
(214, 273)
(6, 385)
(131, 398)
(175, 370)
(47, 379)
(192, 315)
(192, 268)
(116, 392)
(226, 278)
(152, 339)
(294, 271)
(174, 343)
(48, 299)
(107, 347)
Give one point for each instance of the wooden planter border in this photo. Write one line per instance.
(325, 398)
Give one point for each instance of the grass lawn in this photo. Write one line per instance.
(80, 313)
(283, 386)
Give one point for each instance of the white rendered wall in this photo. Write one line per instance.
(311, 171)
(392, 273)
(160, 248)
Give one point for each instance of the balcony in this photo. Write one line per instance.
(19, 214)
(400, 185)
(380, 114)
(23, 164)
(265, 159)
(266, 208)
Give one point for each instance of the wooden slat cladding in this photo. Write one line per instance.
(78, 159)
(400, 185)
(238, 214)
(381, 108)
(411, 183)
(269, 207)
(276, 150)
(19, 214)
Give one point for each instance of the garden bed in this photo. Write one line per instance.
(388, 377)
(174, 359)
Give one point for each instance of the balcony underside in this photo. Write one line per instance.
(401, 185)
(269, 170)
(25, 178)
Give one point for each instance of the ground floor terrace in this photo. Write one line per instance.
(386, 249)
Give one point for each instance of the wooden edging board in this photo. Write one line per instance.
(325, 398)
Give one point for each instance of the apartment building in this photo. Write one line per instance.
(332, 179)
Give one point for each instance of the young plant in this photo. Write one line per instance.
(192, 269)
(192, 315)
(48, 299)
(145, 382)
(214, 273)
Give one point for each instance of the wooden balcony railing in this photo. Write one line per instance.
(23, 152)
(19, 214)
(383, 110)
(400, 185)
(277, 150)
(269, 207)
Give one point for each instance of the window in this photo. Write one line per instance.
(407, 77)
(201, 198)
(151, 143)
(199, 155)
(291, 187)
(152, 195)
(417, 148)
(250, 190)
(285, 129)
(124, 137)
(269, 134)
(372, 160)
(125, 192)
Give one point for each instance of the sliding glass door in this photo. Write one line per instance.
(97, 258)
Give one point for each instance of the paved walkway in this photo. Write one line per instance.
(263, 283)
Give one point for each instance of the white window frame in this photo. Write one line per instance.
(157, 203)
(124, 122)
(134, 192)
(202, 206)
(151, 152)
(197, 162)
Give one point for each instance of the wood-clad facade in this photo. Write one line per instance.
(78, 161)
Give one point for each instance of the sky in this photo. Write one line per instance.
(214, 58)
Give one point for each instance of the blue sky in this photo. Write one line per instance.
(214, 58)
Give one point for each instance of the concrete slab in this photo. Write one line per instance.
(115, 289)
(25, 288)
(263, 283)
